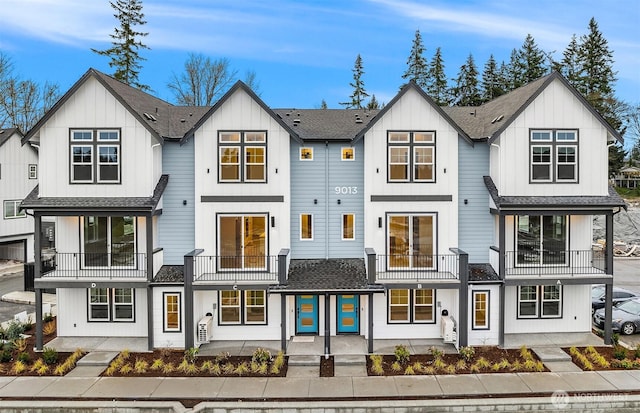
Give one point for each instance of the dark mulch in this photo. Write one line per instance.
(326, 367)
(175, 357)
(627, 358)
(33, 356)
(511, 359)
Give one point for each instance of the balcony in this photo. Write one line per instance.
(416, 268)
(95, 266)
(220, 269)
(552, 264)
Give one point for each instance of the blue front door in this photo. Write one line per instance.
(306, 314)
(348, 320)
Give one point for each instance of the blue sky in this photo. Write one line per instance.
(303, 51)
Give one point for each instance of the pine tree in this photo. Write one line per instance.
(531, 61)
(437, 87)
(124, 52)
(373, 103)
(465, 92)
(491, 83)
(514, 77)
(359, 94)
(569, 66)
(416, 63)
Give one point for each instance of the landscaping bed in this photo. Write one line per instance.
(18, 357)
(486, 359)
(176, 363)
(604, 357)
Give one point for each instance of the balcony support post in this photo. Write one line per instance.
(282, 266)
(502, 245)
(370, 322)
(189, 325)
(371, 265)
(37, 272)
(463, 300)
(608, 295)
(149, 268)
(283, 322)
(327, 331)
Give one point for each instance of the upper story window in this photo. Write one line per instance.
(95, 156)
(306, 154)
(348, 154)
(33, 171)
(541, 240)
(243, 156)
(554, 156)
(411, 156)
(12, 209)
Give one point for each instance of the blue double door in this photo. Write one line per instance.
(347, 314)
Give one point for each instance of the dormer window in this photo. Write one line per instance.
(553, 156)
(95, 156)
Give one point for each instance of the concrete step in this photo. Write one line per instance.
(97, 358)
(551, 354)
(304, 360)
(349, 360)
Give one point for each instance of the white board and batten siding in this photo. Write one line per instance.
(176, 225)
(579, 236)
(241, 113)
(412, 113)
(576, 313)
(475, 232)
(485, 336)
(69, 234)
(555, 108)
(73, 315)
(89, 107)
(317, 186)
(162, 338)
(205, 301)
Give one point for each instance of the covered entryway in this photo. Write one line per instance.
(348, 314)
(306, 314)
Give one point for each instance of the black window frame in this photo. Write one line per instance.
(487, 310)
(111, 306)
(411, 144)
(242, 144)
(242, 308)
(554, 144)
(95, 165)
(412, 306)
(165, 328)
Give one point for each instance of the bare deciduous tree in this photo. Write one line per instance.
(202, 82)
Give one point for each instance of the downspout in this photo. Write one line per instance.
(326, 200)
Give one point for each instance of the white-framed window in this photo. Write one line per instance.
(306, 154)
(306, 227)
(171, 314)
(243, 307)
(242, 156)
(111, 304)
(540, 301)
(33, 171)
(12, 209)
(348, 153)
(411, 156)
(348, 227)
(553, 155)
(411, 306)
(480, 319)
(95, 156)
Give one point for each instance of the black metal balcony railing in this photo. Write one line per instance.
(241, 268)
(417, 267)
(551, 263)
(95, 265)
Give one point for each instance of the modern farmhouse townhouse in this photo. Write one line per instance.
(186, 225)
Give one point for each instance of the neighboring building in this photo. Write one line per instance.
(628, 177)
(242, 222)
(18, 176)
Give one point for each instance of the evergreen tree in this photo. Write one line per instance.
(416, 63)
(323, 104)
(359, 94)
(465, 92)
(504, 73)
(437, 87)
(125, 46)
(531, 61)
(569, 66)
(373, 103)
(617, 154)
(514, 77)
(491, 84)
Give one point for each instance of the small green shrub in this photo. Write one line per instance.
(435, 352)
(467, 353)
(24, 357)
(636, 352)
(50, 355)
(14, 330)
(396, 366)
(402, 353)
(190, 354)
(5, 355)
(261, 355)
(47, 317)
(619, 353)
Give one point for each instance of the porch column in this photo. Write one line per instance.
(608, 304)
(502, 245)
(463, 299)
(608, 263)
(283, 322)
(37, 269)
(188, 300)
(501, 319)
(327, 326)
(370, 322)
(149, 235)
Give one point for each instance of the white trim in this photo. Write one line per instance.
(348, 148)
(353, 229)
(310, 152)
(312, 227)
(474, 319)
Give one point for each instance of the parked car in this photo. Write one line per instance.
(619, 295)
(625, 317)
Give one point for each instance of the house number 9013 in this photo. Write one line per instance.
(344, 190)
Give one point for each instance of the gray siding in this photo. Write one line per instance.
(176, 227)
(475, 230)
(317, 180)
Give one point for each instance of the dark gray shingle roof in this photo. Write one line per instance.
(170, 274)
(318, 275)
(140, 204)
(613, 200)
(326, 124)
